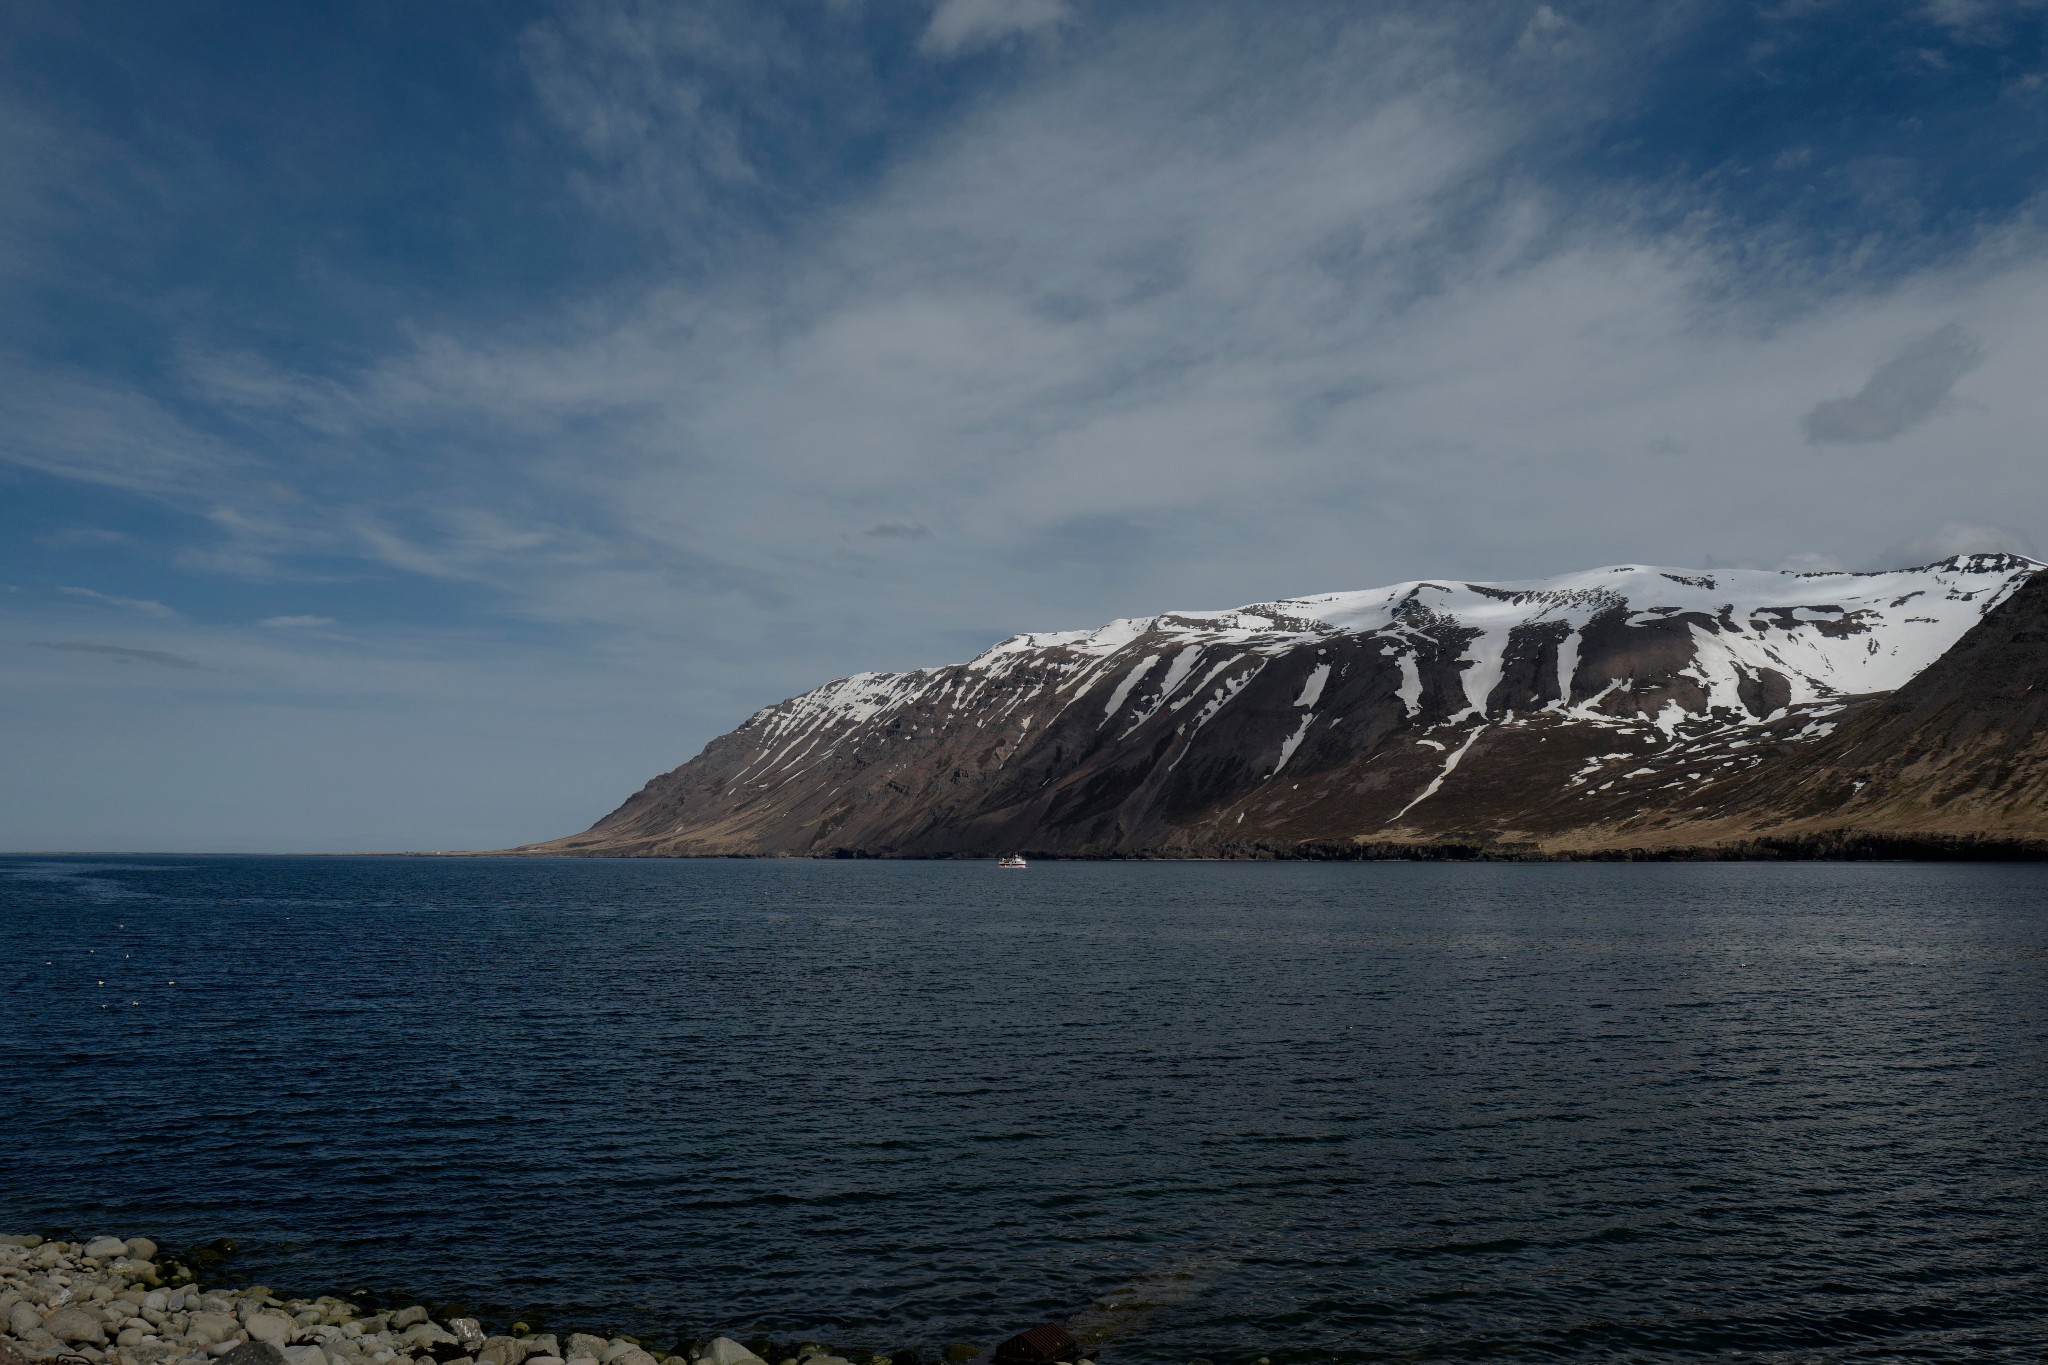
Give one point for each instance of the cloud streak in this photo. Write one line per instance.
(959, 26)
(125, 653)
(144, 605)
(1903, 393)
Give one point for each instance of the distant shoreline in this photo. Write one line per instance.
(1833, 846)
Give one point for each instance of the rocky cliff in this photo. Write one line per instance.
(1571, 713)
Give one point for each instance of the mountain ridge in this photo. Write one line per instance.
(1541, 715)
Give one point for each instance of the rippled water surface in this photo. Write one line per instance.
(1364, 1112)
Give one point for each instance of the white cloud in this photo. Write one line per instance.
(959, 26)
(1290, 351)
(295, 622)
(137, 604)
(1954, 538)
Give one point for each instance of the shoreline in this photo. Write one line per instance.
(114, 1301)
(1822, 846)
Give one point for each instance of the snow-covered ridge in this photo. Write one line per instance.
(1826, 634)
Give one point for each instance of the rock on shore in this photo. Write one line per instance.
(111, 1302)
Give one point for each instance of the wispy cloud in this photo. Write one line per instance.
(81, 538)
(295, 622)
(137, 604)
(1953, 538)
(898, 530)
(1904, 392)
(122, 652)
(965, 25)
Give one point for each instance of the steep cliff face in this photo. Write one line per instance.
(1425, 711)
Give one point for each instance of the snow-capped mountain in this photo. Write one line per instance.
(1418, 711)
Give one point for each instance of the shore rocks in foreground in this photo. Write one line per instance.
(112, 1302)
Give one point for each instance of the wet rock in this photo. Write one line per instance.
(141, 1248)
(75, 1325)
(632, 1355)
(407, 1317)
(584, 1344)
(468, 1332)
(960, 1352)
(106, 1248)
(542, 1344)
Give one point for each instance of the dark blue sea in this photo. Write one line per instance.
(1351, 1112)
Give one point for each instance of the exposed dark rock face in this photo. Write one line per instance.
(1574, 714)
(1954, 763)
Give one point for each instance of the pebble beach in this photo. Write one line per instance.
(114, 1301)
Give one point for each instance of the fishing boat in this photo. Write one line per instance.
(1014, 860)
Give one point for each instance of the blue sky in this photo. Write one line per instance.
(419, 424)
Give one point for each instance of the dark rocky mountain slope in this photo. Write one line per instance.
(1954, 761)
(1621, 707)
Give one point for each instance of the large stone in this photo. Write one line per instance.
(468, 1331)
(75, 1325)
(275, 1328)
(584, 1344)
(426, 1335)
(501, 1351)
(304, 1355)
(254, 1353)
(141, 1248)
(632, 1355)
(211, 1327)
(407, 1317)
(23, 1320)
(726, 1351)
(106, 1248)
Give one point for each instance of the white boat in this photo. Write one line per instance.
(1014, 860)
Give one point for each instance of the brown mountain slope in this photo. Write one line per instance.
(1954, 760)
